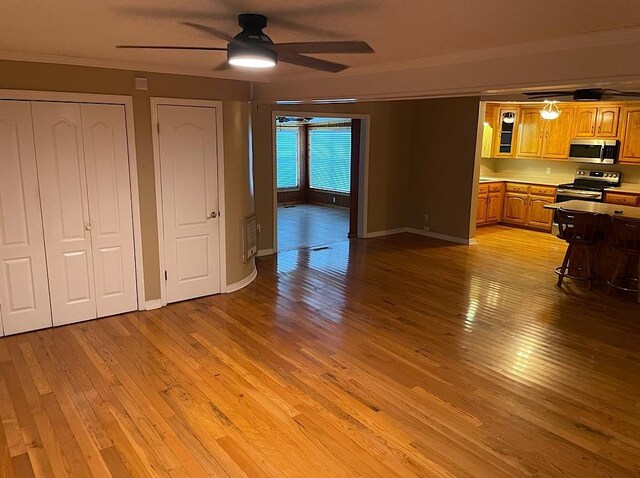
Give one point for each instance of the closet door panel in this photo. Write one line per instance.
(24, 291)
(108, 186)
(63, 190)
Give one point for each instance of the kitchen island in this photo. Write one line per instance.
(605, 257)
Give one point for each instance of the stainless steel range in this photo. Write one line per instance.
(588, 185)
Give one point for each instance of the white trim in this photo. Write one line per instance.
(127, 102)
(442, 237)
(388, 232)
(363, 195)
(243, 283)
(264, 252)
(153, 304)
(217, 105)
(420, 232)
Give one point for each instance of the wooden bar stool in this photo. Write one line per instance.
(626, 239)
(581, 230)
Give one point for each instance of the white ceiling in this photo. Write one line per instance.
(87, 31)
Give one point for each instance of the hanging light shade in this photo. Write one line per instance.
(550, 110)
(509, 118)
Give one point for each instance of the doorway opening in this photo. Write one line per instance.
(317, 177)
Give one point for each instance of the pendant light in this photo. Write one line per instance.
(550, 110)
(509, 117)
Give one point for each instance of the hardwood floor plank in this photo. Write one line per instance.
(395, 356)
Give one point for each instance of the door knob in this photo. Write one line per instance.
(213, 215)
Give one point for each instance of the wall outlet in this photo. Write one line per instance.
(258, 228)
(333, 199)
(548, 170)
(426, 218)
(426, 228)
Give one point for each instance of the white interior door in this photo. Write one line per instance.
(65, 210)
(24, 291)
(109, 192)
(189, 174)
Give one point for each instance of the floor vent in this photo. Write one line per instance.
(250, 237)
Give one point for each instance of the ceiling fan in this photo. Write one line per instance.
(585, 94)
(254, 49)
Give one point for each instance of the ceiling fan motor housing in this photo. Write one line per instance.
(251, 39)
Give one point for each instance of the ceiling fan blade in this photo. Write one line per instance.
(622, 93)
(222, 67)
(214, 32)
(162, 47)
(324, 47)
(314, 63)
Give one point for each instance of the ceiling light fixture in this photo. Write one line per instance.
(251, 56)
(550, 110)
(509, 117)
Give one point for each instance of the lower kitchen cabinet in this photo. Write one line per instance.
(623, 199)
(524, 205)
(515, 208)
(489, 203)
(538, 216)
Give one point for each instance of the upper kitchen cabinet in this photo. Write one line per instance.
(506, 127)
(631, 136)
(558, 134)
(530, 133)
(597, 121)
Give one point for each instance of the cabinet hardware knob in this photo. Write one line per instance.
(88, 227)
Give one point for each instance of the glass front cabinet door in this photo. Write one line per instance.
(507, 126)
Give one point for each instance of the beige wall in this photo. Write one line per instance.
(389, 159)
(442, 168)
(421, 161)
(234, 94)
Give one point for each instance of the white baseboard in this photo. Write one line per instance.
(388, 232)
(243, 283)
(442, 237)
(153, 304)
(264, 252)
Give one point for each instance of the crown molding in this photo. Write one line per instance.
(132, 66)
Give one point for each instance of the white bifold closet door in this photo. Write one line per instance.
(83, 170)
(189, 172)
(24, 291)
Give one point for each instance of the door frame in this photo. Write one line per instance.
(127, 102)
(156, 101)
(363, 176)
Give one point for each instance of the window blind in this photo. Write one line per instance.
(330, 159)
(287, 157)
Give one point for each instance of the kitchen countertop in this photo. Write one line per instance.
(545, 181)
(597, 208)
(632, 188)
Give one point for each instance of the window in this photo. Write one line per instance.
(287, 157)
(330, 158)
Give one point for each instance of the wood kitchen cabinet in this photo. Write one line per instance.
(515, 208)
(489, 203)
(505, 137)
(630, 152)
(540, 138)
(524, 205)
(558, 134)
(530, 133)
(624, 199)
(597, 121)
(537, 215)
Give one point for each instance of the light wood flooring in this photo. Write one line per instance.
(396, 356)
(310, 225)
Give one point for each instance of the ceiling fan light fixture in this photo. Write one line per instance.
(509, 117)
(257, 57)
(550, 110)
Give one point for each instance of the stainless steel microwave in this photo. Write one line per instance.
(601, 151)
